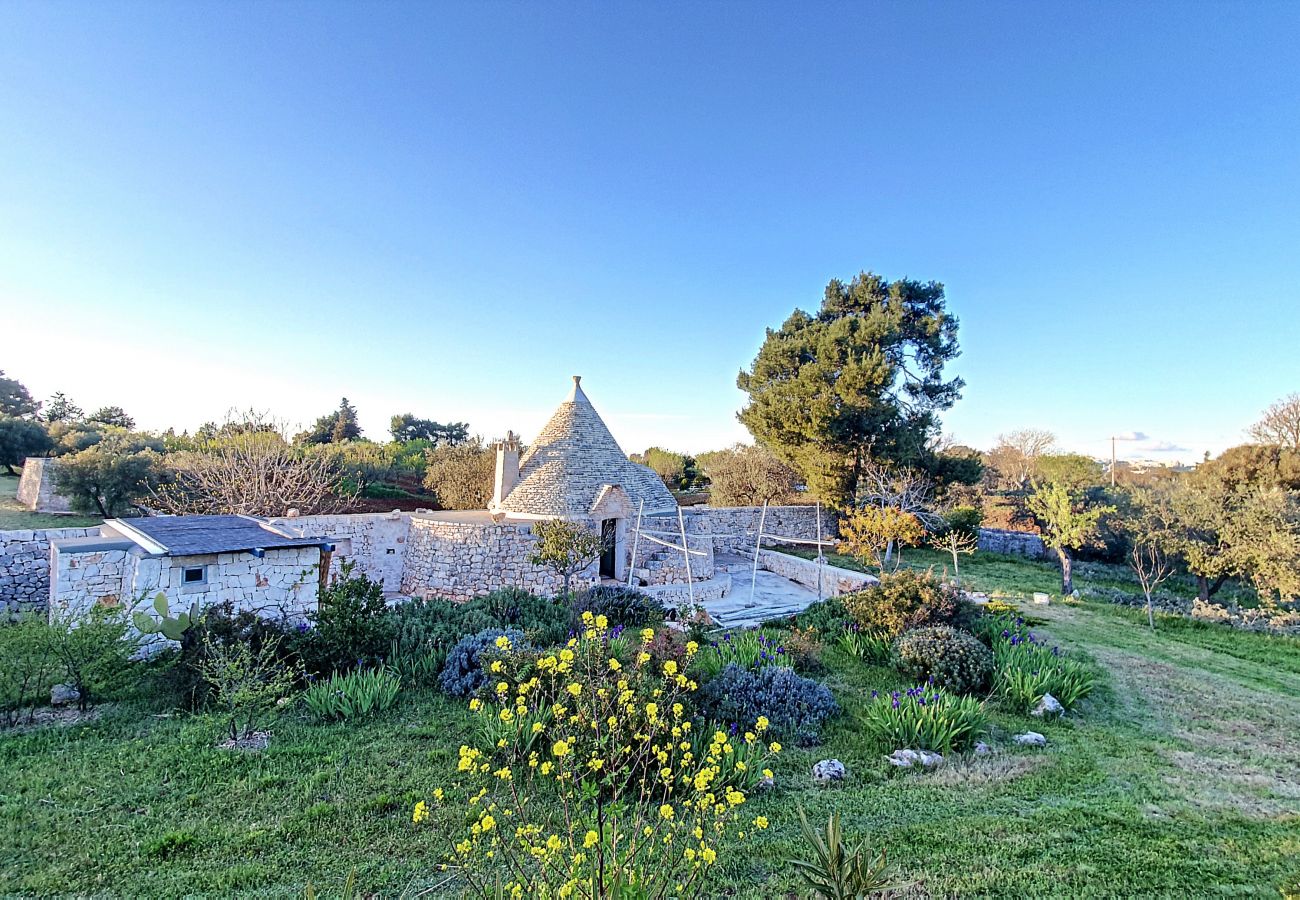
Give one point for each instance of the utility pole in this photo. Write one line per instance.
(1112, 460)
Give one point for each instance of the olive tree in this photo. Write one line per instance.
(566, 548)
(1068, 521)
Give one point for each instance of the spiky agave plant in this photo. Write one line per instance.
(837, 872)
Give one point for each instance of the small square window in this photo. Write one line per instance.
(390, 551)
(194, 575)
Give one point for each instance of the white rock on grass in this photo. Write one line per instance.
(1031, 739)
(983, 749)
(906, 758)
(1048, 706)
(829, 771)
(930, 760)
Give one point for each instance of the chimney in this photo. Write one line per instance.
(507, 469)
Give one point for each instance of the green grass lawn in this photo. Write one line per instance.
(1179, 777)
(14, 516)
(1015, 577)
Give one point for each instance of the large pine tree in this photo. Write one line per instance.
(862, 379)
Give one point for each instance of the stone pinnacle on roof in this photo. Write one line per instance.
(576, 395)
(572, 460)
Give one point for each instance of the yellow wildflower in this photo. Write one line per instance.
(666, 811)
(420, 813)
(761, 822)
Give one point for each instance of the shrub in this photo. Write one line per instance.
(221, 626)
(95, 652)
(352, 626)
(543, 620)
(432, 627)
(588, 758)
(748, 649)
(944, 656)
(462, 673)
(903, 600)
(620, 605)
(350, 695)
(924, 718)
(794, 705)
(1027, 668)
(28, 667)
(246, 683)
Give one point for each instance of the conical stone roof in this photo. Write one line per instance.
(572, 460)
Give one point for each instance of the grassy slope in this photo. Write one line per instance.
(14, 516)
(1179, 778)
(1017, 578)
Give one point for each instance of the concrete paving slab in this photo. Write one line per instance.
(774, 597)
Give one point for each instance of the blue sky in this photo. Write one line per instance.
(448, 209)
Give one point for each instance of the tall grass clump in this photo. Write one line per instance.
(925, 718)
(1026, 668)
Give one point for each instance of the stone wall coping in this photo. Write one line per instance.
(92, 544)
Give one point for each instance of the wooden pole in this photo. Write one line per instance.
(820, 556)
(636, 540)
(686, 555)
(758, 546)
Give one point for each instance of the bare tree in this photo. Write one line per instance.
(1016, 455)
(248, 467)
(955, 542)
(1150, 523)
(1152, 566)
(903, 489)
(1280, 424)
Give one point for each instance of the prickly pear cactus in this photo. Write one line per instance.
(171, 627)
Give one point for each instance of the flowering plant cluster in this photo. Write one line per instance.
(1027, 668)
(590, 780)
(749, 650)
(925, 718)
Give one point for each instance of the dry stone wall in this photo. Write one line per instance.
(1015, 543)
(458, 560)
(834, 580)
(25, 567)
(36, 490)
(280, 584)
(735, 527)
(377, 542)
(656, 564)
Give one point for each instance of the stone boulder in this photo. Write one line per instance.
(829, 771)
(63, 694)
(1031, 739)
(906, 759)
(1048, 706)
